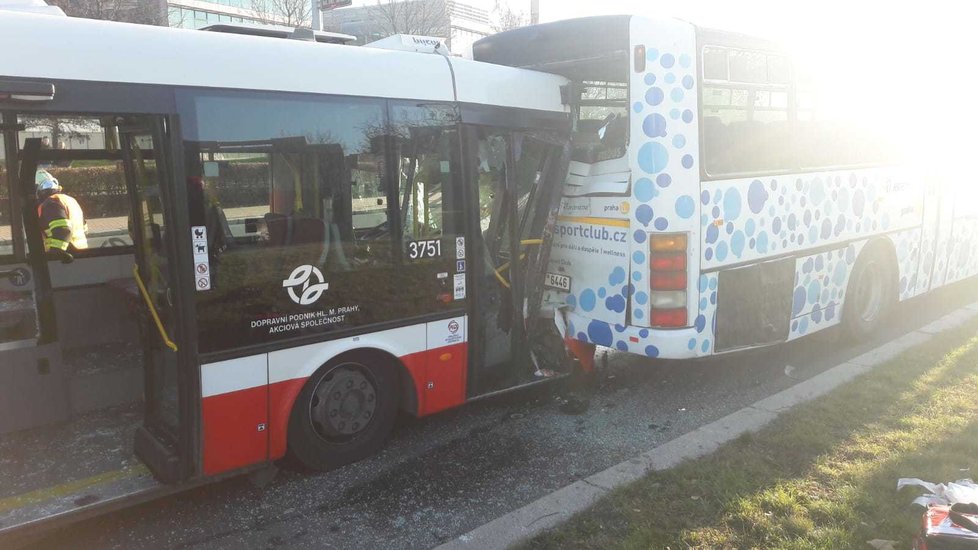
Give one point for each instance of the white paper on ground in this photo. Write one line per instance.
(963, 491)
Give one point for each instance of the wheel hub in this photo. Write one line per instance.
(344, 403)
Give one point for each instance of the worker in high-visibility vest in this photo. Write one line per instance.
(60, 216)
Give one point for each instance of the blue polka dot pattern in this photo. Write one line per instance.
(793, 213)
(644, 190)
(600, 333)
(685, 206)
(653, 157)
(654, 96)
(654, 125)
(820, 285)
(588, 299)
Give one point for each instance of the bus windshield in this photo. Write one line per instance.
(601, 122)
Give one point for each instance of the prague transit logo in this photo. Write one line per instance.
(305, 284)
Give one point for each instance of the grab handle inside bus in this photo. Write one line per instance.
(498, 271)
(152, 309)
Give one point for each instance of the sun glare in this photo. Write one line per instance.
(900, 68)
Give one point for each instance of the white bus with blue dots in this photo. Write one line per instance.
(710, 206)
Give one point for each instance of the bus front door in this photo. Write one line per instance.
(34, 383)
(167, 440)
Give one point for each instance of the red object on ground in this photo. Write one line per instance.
(939, 532)
(584, 353)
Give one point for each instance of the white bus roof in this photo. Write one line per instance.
(103, 51)
(30, 6)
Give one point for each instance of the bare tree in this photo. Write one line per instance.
(504, 18)
(146, 12)
(177, 17)
(423, 17)
(291, 13)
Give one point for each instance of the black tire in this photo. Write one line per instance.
(869, 294)
(345, 412)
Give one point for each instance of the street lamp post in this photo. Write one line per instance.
(317, 18)
(319, 6)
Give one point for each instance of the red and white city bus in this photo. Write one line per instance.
(290, 243)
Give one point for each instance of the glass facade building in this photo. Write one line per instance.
(465, 23)
(195, 14)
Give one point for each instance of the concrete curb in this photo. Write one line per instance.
(560, 505)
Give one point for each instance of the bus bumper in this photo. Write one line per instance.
(684, 343)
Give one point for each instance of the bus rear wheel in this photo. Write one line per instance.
(869, 294)
(344, 413)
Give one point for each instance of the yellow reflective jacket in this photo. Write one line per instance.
(63, 222)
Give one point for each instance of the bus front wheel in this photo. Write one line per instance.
(345, 412)
(869, 294)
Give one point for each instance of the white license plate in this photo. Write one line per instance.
(555, 280)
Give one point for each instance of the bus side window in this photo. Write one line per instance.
(745, 112)
(303, 188)
(428, 202)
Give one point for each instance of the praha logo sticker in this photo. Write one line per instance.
(305, 285)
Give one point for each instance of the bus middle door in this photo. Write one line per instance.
(167, 441)
(516, 189)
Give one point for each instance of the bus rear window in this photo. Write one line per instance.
(601, 122)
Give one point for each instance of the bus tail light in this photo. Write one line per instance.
(670, 318)
(668, 279)
(668, 242)
(667, 299)
(668, 262)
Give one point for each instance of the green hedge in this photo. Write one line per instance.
(101, 190)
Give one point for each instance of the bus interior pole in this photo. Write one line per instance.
(317, 18)
(516, 272)
(10, 127)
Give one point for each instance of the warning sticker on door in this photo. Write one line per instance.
(459, 248)
(202, 267)
(198, 234)
(204, 283)
(460, 286)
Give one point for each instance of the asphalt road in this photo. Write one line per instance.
(443, 476)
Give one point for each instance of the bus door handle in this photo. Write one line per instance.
(152, 310)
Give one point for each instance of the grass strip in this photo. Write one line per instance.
(821, 476)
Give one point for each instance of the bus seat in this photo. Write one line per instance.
(311, 231)
(279, 228)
